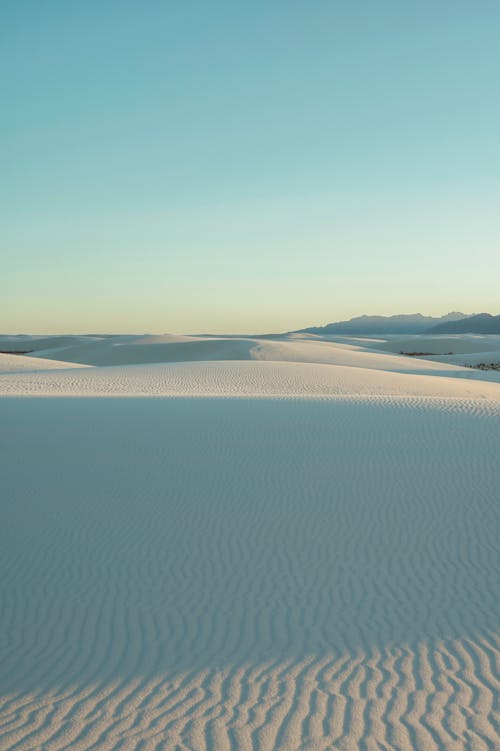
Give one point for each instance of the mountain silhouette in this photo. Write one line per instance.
(415, 323)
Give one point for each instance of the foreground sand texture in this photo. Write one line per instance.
(250, 555)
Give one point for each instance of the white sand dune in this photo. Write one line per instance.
(457, 344)
(22, 363)
(39, 343)
(167, 348)
(471, 358)
(311, 565)
(241, 379)
(461, 351)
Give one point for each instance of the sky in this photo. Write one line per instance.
(226, 166)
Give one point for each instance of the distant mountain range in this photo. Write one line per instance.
(398, 324)
(416, 323)
(483, 323)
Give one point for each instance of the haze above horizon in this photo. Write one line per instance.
(229, 168)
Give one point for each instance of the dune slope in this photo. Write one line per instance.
(241, 574)
(22, 364)
(249, 555)
(241, 379)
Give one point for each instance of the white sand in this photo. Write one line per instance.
(241, 379)
(441, 344)
(22, 363)
(315, 568)
(359, 352)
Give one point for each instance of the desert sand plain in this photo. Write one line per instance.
(256, 543)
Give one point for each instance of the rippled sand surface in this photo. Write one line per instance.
(248, 555)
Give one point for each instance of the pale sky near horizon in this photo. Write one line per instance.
(230, 167)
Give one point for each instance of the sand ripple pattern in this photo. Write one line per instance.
(256, 379)
(249, 574)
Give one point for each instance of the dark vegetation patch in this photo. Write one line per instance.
(422, 354)
(485, 366)
(15, 351)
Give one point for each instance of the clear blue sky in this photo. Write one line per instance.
(227, 166)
